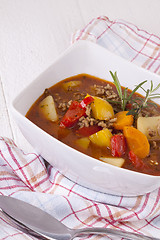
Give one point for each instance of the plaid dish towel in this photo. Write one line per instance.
(25, 176)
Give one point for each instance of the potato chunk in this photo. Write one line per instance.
(150, 126)
(118, 162)
(48, 109)
(70, 84)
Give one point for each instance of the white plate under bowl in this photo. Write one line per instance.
(90, 58)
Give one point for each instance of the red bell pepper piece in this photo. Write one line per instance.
(118, 145)
(86, 101)
(87, 131)
(75, 111)
(72, 115)
(136, 161)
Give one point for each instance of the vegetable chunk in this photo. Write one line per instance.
(48, 109)
(136, 161)
(118, 162)
(83, 142)
(123, 120)
(137, 141)
(102, 109)
(87, 131)
(102, 138)
(150, 126)
(118, 145)
(72, 115)
(72, 84)
(75, 111)
(103, 119)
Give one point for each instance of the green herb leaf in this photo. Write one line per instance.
(138, 103)
(117, 84)
(156, 88)
(136, 88)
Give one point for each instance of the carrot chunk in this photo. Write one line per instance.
(123, 120)
(137, 141)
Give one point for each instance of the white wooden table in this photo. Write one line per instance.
(34, 32)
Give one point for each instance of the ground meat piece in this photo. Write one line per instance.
(89, 121)
(62, 106)
(102, 124)
(106, 93)
(69, 103)
(108, 87)
(92, 121)
(81, 122)
(113, 120)
(99, 91)
(151, 132)
(86, 122)
(78, 95)
(57, 98)
(81, 119)
(154, 145)
(88, 110)
(112, 96)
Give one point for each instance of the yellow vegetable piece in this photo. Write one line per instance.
(118, 162)
(101, 109)
(70, 84)
(48, 109)
(123, 120)
(101, 138)
(137, 141)
(83, 142)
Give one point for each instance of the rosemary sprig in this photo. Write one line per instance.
(138, 103)
(150, 94)
(124, 97)
(117, 84)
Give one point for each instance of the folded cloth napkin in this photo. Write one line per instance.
(124, 39)
(25, 176)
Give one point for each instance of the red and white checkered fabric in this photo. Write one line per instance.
(124, 39)
(24, 176)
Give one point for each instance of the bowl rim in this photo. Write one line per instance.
(25, 89)
(121, 171)
(77, 44)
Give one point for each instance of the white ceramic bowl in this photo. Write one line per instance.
(84, 57)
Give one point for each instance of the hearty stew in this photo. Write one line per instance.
(103, 120)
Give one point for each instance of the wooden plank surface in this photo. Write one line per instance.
(34, 32)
